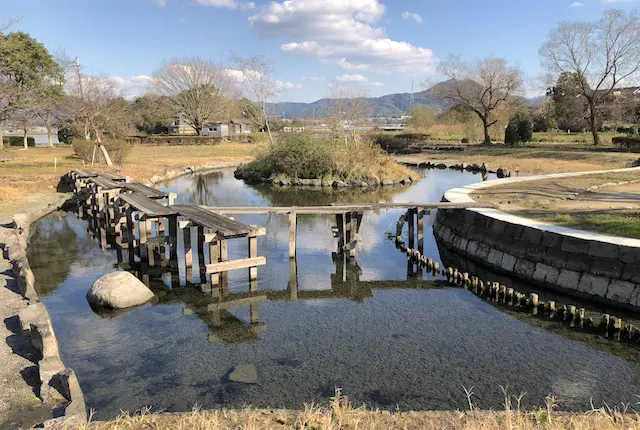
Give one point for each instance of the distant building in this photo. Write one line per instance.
(235, 127)
(292, 129)
(180, 126)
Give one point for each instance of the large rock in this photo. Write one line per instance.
(118, 290)
(244, 373)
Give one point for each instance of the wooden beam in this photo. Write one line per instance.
(253, 253)
(293, 232)
(243, 263)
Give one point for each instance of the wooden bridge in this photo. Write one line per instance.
(148, 224)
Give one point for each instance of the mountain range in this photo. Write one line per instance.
(391, 105)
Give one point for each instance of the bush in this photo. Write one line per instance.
(525, 130)
(66, 133)
(17, 141)
(116, 148)
(631, 143)
(511, 133)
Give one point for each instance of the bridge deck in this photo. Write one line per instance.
(148, 207)
(104, 183)
(219, 224)
(340, 208)
(82, 174)
(146, 191)
(113, 177)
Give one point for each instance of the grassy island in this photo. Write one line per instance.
(324, 160)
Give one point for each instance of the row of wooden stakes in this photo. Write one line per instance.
(607, 325)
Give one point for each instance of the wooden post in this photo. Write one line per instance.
(200, 246)
(142, 226)
(353, 232)
(214, 257)
(412, 232)
(180, 242)
(293, 227)
(533, 303)
(293, 279)
(188, 250)
(173, 233)
(130, 238)
(340, 225)
(421, 232)
(253, 252)
(224, 276)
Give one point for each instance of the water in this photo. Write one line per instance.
(387, 337)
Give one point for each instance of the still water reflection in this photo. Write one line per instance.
(389, 338)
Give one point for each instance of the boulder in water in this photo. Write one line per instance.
(118, 290)
(244, 373)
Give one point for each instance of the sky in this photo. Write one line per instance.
(381, 45)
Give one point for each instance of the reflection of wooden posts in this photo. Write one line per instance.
(293, 231)
(412, 231)
(293, 279)
(340, 224)
(253, 313)
(253, 252)
(421, 232)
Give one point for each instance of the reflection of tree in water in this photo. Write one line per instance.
(305, 196)
(52, 250)
(202, 192)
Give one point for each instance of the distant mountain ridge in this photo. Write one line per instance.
(391, 105)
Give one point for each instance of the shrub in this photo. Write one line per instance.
(629, 142)
(511, 133)
(66, 133)
(17, 141)
(525, 129)
(116, 148)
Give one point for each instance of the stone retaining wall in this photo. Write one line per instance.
(35, 320)
(596, 266)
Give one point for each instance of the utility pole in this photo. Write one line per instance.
(87, 136)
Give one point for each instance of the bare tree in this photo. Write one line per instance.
(347, 108)
(92, 100)
(257, 75)
(198, 89)
(481, 86)
(601, 54)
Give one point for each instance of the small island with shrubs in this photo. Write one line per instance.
(294, 160)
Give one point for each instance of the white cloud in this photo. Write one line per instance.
(238, 77)
(132, 87)
(415, 17)
(351, 78)
(576, 4)
(376, 84)
(343, 32)
(160, 3)
(228, 4)
(313, 78)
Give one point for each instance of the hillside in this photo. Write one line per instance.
(385, 106)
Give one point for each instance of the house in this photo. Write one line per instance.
(293, 129)
(215, 129)
(239, 127)
(180, 126)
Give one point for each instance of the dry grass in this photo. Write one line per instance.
(340, 415)
(26, 175)
(538, 159)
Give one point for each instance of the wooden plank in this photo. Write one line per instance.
(219, 224)
(236, 303)
(293, 234)
(253, 253)
(338, 209)
(104, 183)
(146, 191)
(243, 263)
(113, 177)
(146, 205)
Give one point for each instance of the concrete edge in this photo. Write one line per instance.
(35, 319)
(463, 195)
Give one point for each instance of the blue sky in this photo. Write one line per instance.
(382, 45)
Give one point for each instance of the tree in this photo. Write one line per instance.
(347, 107)
(257, 76)
(199, 90)
(570, 106)
(602, 54)
(153, 114)
(422, 117)
(481, 86)
(27, 71)
(511, 133)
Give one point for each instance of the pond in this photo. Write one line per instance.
(388, 337)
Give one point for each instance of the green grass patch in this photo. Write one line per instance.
(626, 224)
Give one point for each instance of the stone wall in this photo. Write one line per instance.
(589, 265)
